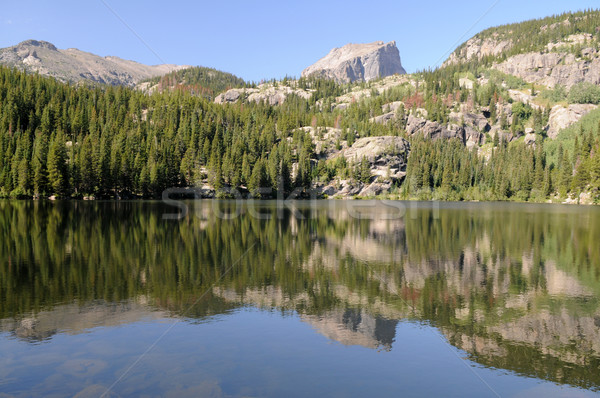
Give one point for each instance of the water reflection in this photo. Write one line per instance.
(516, 287)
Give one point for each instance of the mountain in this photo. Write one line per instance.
(487, 125)
(358, 62)
(557, 50)
(73, 65)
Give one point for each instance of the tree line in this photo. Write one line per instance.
(68, 141)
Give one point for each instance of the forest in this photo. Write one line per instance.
(80, 141)
(535, 34)
(196, 80)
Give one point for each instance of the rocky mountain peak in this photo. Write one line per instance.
(37, 43)
(358, 62)
(73, 65)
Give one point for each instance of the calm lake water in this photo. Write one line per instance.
(327, 298)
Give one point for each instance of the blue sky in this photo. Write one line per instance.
(263, 39)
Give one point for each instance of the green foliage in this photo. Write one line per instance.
(56, 139)
(557, 94)
(449, 172)
(566, 138)
(534, 35)
(197, 80)
(362, 171)
(584, 93)
(57, 165)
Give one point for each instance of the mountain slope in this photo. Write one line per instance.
(197, 80)
(558, 50)
(73, 65)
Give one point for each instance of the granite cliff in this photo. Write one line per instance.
(358, 62)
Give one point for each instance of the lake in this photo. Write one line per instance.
(307, 298)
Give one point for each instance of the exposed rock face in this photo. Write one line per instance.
(380, 86)
(561, 117)
(383, 119)
(387, 156)
(554, 68)
(392, 106)
(382, 152)
(530, 138)
(525, 98)
(434, 130)
(478, 48)
(358, 62)
(73, 65)
(265, 92)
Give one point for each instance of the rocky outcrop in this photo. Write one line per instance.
(478, 48)
(434, 130)
(392, 106)
(383, 119)
(554, 68)
(520, 96)
(561, 117)
(387, 157)
(357, 92)
(391, 112)
(73, 65)
(272, 95)
(386, 154)
(358, 62)
(530, 138)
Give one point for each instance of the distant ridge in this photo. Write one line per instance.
(73, 65)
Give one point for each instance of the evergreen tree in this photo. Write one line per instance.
(39, 162)
(57, 165)
(595, 169)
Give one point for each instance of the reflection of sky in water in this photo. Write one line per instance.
(325, 305)
(250, 352)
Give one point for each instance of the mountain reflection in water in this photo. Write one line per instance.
(516, 287)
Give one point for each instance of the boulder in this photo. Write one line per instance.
(414, 124)
(229, 96)
(374, 189)
(472, 137)
(392, 106)
(383, 119)
(387, 155)
(465, 83)
(530, 138)
(561, 117)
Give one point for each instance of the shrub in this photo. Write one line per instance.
(584, 93)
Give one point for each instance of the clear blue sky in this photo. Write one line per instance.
(263, 39)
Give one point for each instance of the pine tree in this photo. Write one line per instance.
(39, 162)
(595, 169)
(582, 175)
(246, 170)
(566, 173)
(259, 180)
(362, 171)
(57, 165)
